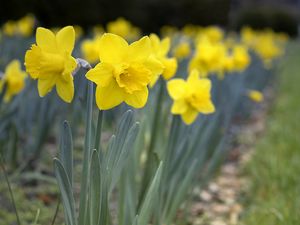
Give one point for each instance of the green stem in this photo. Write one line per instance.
(87, 156)
(9, 188)
(98, 131)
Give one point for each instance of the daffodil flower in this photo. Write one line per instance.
(90, 49)
(51, 63)
(14, 79)
(124, 72)
(190, 97)
(160, 50)
(255, 96)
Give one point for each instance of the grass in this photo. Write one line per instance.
(274, 170)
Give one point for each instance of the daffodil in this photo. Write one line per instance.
(182, 50)
(123, 28)
(90, 49)
(208, 57)
(14, 79)
(9, 28)
(25, 25)
(51, 63)
(124, 72)
(255, 96)
(160, 49)
(191, 97)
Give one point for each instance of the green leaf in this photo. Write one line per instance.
(66, 192)
(148, 203)
(95, 188)
(66, 150)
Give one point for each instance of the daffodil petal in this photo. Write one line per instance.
(137, 99)
(45, 86)
(154, 65)
(139, 50)
(170, 68)
(179, 107)
(65, 90)
(66, 39)
(102, 74)
(165, 46)
(109, 96)
(112, 48)
(189, 116)
(176, 88)
(46, 40)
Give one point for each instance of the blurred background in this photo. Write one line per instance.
(150, 15)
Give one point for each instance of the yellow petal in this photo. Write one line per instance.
(65, 90)
(32, 61)
(165, 46)
(46, 40)
(66, 39)
(170, 68)
(179, 107)
(139, 50)
(102, 74)
(193, 76)
(137, 99)
(113, 48)
(207, 107)
(154, 65)
(189, 116)
(177, 88)
(45, 86)
(109, 96)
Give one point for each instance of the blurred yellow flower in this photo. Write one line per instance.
(124, 72)
(255, 96)
(98, 30)
(123, 28)
(168, 31)
(23, 26)
(9, 28)
(50, 61)
(190, 97)
(26, 25)
(160, 49)
(90, 49)
(78, 31)
(209, 57)
(241, 57)
(14, 79)
(182, 50)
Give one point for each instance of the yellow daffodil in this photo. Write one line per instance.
(123, 28)
(255, 96)
(14, 79)
(78, 31)
(241, 57)
(182, 50)
(160, 49)
(9, 28)
(90, 49)
(190, 97)
(124, 72)
(98, 30)
(168, 31)
(26, 25)
(208, 57)
(50, 61)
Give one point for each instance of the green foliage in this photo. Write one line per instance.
(274, 196)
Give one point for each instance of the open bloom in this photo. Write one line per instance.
(14, 79)
(255, 96)
(50, 62)
(160, 49)
(190, 97)
(124, 72)
(123, 28)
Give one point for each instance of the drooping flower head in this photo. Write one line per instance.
(51, 63)
(160, 49)
(124, 71)
(182, 50)
(190, 97)
(14, 79)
